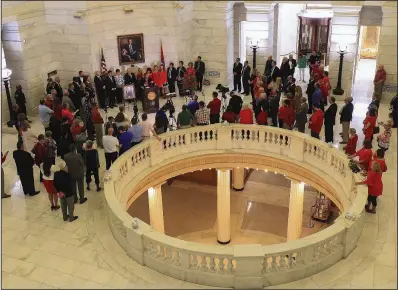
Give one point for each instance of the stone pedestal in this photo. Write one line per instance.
(156, 208)
(296, 203)
(238, 179)
(223, 206)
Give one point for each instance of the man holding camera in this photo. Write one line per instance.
(214, 106)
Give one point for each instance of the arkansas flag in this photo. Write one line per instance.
(161, 53)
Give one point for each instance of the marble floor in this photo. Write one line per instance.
(265, 198)
(39, 250)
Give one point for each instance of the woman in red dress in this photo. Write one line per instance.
(156, 75)
(375, 187)
(46, 168)
(162, 79)
(369, 124)
(190, 78)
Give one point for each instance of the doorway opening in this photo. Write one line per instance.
(366, 62)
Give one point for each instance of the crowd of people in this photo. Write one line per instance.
(73, 127)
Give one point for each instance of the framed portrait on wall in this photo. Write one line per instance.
(131, 48)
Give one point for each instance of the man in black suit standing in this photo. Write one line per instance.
(199, 72)
(237, 70)
(292, 64)
(246, 77)
(80, 77)
(25, 163)
(50, 86)
(58, 88)
(129, 77)
(329, 121)
(77, 88)
(100, 89)
(171, 77)
(275, 73)
(268, 66)
(110, 84)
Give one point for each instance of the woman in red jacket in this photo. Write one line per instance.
(246, 115)
(364, 154)
(286, 115)
(351, 146)
(316, 121)
(162, 79)
(379, 158)
(375, 187)
(369, 123)
(156, 75)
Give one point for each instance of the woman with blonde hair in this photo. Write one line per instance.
(298, 94)
(278, 86)
(375, 187)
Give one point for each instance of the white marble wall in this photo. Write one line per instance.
(387, 54)
(345, 31)
(25, 37)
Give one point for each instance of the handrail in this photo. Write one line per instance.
(239, 265)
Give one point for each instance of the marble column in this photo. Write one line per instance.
(223, 206)
(156, 208)
(296, 204)
(238, 178)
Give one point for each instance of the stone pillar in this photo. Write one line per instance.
(345, 32)
(387, 54)
(223, 206)
(296, 205)
(238, 178)
(156, 208)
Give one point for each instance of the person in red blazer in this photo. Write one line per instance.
(316, 121)
(246, 115)
(364, 154)
(369, 123)
(286, 115)
(379, 158)
(351, 146)
(162, 79)
(375, 187)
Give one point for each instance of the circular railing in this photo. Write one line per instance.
(227, 146)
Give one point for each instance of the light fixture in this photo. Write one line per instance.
(254, 47)
(128, 9)
(342, 51)
(265, 170)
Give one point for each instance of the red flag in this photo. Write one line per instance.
(103, 63)
(161, 53)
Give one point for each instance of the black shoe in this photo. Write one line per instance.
(88, 188)
(342, 142)
(83, 200)
(34, 193)
(67, 217)
(99, 188)
(52, 207)
(74, 218)
(57, 207)
(5, 196)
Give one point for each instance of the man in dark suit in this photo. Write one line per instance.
(346, 118)
(129, 77)
(110, 84)
(199, 72)
(58, 88)
(25, 163)
(275, 73)
(329, 121)
(171, 77)
(100, 89)
(237, 70)
(75, 165)
(268, 66)
(50, 86)
(132, 50)
(246, 78)
(284, 71)
(80, 77)
(292, 64)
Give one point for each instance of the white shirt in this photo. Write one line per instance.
(146, 128)
(110, 144)
(45, 113)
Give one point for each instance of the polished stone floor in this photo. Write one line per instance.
(259, 213)
(39, 250)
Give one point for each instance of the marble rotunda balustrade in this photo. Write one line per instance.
(224, 147)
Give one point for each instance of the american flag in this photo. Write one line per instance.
(103, 63)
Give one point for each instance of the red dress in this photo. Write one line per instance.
(156, 78)
(246, 116)
(162, 78)
(351, 146)
(369, 130)
(365, 156)
(374, 183)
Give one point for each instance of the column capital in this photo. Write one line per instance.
(294, 180)
(339, 10)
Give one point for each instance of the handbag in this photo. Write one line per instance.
(376, 130)
(60, 194)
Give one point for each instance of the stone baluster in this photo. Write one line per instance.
(212, 264)
(176, 260)
(274, 264)
(221, 265)
(202, 264)
(194, 264)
